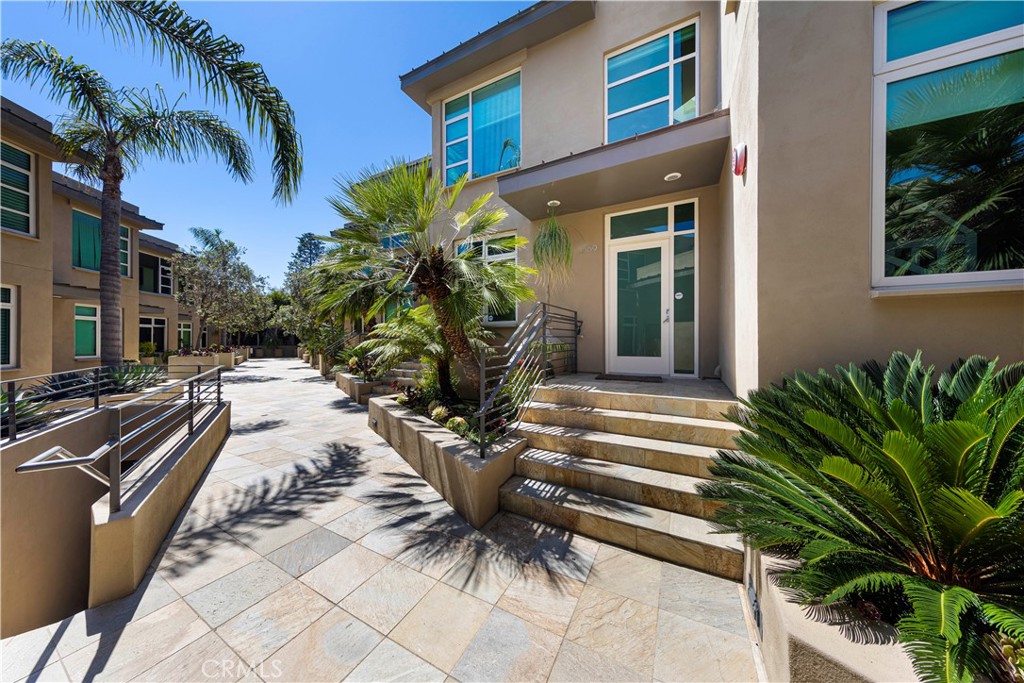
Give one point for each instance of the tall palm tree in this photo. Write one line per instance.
(116, 129)
(212, 62)
(402, 239)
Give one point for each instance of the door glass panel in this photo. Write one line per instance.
(638, 284)
(640, 223)
(683, 303)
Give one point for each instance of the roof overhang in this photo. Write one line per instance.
(532, 26)
(623, 171)
(151, 310)
(33, 127)
(62, 291)
(156, 244)
(72, 189)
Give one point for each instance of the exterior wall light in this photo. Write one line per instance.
(554, 203)
(673, 176)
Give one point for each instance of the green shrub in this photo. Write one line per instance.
(457, 425)
(440, 414)
(879, 482)
(147, 349)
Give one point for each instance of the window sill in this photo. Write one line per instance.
(87, 357)
(96, 272)
(18, 233)
(893, 291)
(509, 323)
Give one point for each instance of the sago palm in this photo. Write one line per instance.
(403, 237)
(117, 129)
(879, 482)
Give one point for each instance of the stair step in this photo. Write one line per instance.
(700, 431)
(400, 372)
(654, 454)
(400, 381)
(664, 490)
(410, 365)
(684, 540)
(590, 397)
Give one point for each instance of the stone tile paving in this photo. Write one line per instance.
(312, 552)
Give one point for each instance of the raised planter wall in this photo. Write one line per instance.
(446, 461)
(796, 647)
(357, 389)
(180, 367)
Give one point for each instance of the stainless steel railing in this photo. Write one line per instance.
(544, 344)
(138, 427)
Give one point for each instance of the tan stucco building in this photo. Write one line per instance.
(50, 263)
(721, 170)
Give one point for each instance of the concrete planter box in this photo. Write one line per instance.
(258, 352)
(180, 367)
(226, 359)
(358, 390)
(798, 647)
(305, 357)
(278, 353)
(148, 360)
(446, 461)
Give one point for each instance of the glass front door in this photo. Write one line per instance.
(652, 291)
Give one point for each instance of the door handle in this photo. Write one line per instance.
(666, 315)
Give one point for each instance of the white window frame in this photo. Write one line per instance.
(119, 250)
(12, 306)
(181, 328)
(490, 258)
(671, 81)
(667, 241)
(980, 47)
(33, 161)
(127, 252)
(153, 326)
(96, 319)
(469, 128)
(163, 269)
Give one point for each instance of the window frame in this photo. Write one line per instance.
(152, 326)
(181, 328)
(886, 72)
(96, 319)
(128, 263)
(512, 255)
(162, 264)
(695, 21)
(32, 162)
(13, 328)
(469, 129)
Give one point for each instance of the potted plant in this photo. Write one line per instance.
(147, 353)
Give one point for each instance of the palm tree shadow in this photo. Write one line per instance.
(259, 426)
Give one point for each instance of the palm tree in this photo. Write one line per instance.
(214, 63)
(116, 129)
(402, 240)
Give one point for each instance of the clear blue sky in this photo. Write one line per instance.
(337, 63)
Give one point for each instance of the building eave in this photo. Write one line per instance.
(72, 189)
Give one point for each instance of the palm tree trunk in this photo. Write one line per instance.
(444, 379)
(457, 340)
(111, 342)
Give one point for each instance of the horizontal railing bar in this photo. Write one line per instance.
(174, 422)
(179, 383)
(40, 462)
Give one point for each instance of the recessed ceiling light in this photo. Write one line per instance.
(674, 175)
(554, 202)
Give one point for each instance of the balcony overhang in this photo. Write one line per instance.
(534, 25)
(75, 292)
(623, 171)
(151, 310)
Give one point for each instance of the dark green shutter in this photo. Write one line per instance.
(85, 241)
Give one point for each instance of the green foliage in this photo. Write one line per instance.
(881, 480)
(147, 349)
(128, 379)
(401, 241)
(28, 410)
(216, 64)
(552, 252)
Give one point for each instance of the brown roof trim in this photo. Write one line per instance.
(34, 126)
(72, 189)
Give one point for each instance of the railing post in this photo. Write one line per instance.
(543, 343)
(191, 406)
(575, 342)
(115, 461)
(12, 411)
(96, 389)
(483, 398)
(219, 399)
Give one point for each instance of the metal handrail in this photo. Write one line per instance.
(524, 361)
(171, 413)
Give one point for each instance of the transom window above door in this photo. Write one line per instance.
(482, 130)
(653, 84)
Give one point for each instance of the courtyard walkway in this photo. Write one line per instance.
(312, 552)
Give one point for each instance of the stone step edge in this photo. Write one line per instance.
(725, 405)
(713, 540)
(636, 415)
(639, 442)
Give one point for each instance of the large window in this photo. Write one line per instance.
(87, 332)
(492, 252)
(155, 274)
(653, 84)
(16, 190)
(948, 158)
(153, 330)
(184, 335)
(482, 131)
(86, 241)
(8, 326)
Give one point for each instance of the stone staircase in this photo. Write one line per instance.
(404, 375)
(624, 468)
